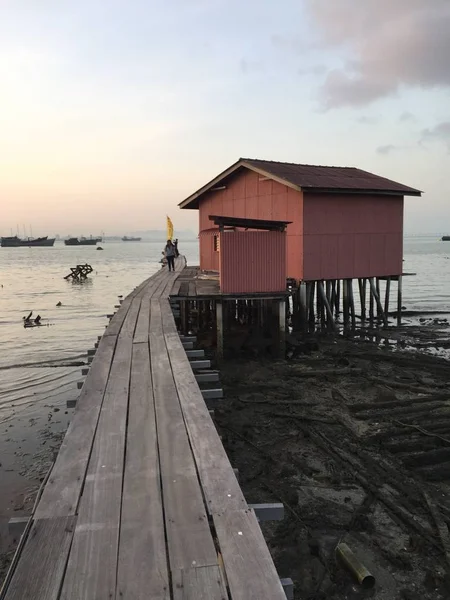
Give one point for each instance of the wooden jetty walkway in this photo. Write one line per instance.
(142, 501)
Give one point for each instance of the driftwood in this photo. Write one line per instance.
(441, 525)
(423, 431)
(394, 506)
(312, 418)
(401, 386)
(326, 372)
(279, 402)
(433, 398)
(408, 411)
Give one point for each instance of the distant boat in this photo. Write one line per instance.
(445, 238)
(131, 239)
(82, 241)
(16, 242)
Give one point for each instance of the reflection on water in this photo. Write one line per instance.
(40, 366)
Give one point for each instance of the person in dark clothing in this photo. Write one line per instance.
(169, 252)
(177, 254)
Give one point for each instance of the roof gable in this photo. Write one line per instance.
(310, 178)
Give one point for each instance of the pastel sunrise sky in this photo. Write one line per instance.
(113, 111)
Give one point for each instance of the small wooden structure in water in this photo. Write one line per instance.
(79, 272)
(344, 225)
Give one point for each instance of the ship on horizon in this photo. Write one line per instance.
(131, 239)
(14, 241)
(82, 241)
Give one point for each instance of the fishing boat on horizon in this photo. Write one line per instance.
(82, 241)
(15, 242)
(131, 239)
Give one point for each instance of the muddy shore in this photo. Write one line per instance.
(354, 439)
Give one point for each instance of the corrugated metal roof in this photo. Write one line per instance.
(311, 178)
(329, 178)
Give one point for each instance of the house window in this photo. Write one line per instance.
(216, 243)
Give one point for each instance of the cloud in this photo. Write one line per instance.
(249, 66)
(439, 133)
(314, 70)
(386, 149)
(384, 45)
(365, 120)
(406, 116)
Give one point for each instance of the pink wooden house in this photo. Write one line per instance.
(344, 223)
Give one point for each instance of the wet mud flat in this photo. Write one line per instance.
(354, 440)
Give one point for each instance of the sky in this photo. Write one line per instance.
(113, 112)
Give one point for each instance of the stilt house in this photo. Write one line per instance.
(343, 223)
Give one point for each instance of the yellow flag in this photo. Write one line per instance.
(169, 229)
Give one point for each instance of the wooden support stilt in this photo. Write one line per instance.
(320, 304)
(219, 325)
(345, 303)
(303, 301)
(386, 296)
(282, 328)
(311, 316)
(378, 301)
(333, 295)
(338, 299)
(399, 301)
(377, 281)
(362, 298)
(351, 302)
(371, 305)
(321, 292)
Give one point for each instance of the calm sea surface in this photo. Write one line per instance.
(39, 367)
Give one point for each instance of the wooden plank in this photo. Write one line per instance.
(143, 322)
(188, 533)
(169, 324)
(249, 568)
(192, 289)
(175, 288)
(220, 486)
(40, 570)
(62, 492)
(203, 583)
(184, 289)
(129, 323)
(116, 322)
(92, 566)
(142, 564)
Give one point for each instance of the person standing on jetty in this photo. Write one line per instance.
(177, 254)
(169, 252)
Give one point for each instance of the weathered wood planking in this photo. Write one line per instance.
(142, 566)
(129, 323)
(249, 568)
(203, 583)
(116, 322)
(184, 289)
(192, 288)
(175, 288)
(189, 537)
(219, 483)
(92, 566)
(61, 494)
(143, 322)
(168, 322)
(40, 570)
